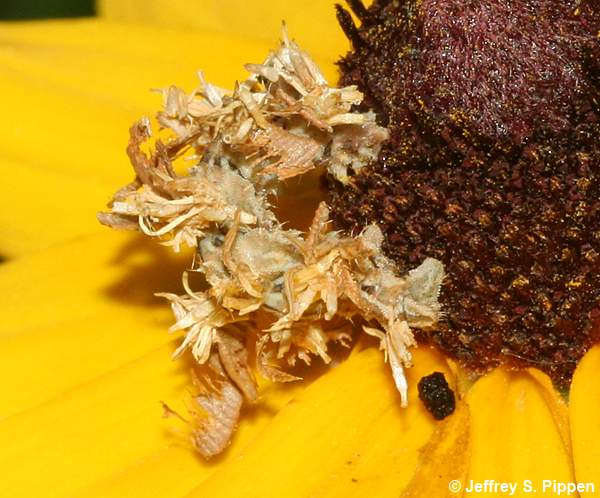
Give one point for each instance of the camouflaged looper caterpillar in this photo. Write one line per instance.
(274, 295)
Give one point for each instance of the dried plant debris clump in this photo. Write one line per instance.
(492, 167)
(274, 295)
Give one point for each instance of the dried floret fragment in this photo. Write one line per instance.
(275, 293)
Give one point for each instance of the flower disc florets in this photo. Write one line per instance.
(492, 166)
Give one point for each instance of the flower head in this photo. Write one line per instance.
(85, 361)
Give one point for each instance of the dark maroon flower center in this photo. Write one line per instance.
(493, 166)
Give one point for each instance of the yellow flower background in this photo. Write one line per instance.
(84, 353)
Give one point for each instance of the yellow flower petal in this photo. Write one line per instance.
(117, 65)
(557, 406)
(65, 355)
(82, 395)
(345, 435)
(445, 458)
(73, 123)
(73, 90)
(85, 359)
(90, 431)
(62, 131)
(101, 273)
(102, 434)
(514, 436)
(171, 472)
(312, 22)
(177, 469)
(585, 422)
(39, 208)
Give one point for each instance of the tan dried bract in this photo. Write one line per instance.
(275, 295)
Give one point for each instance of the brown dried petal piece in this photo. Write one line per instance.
(265, 365)
(116, 221)
(296, 153)
(234, 358)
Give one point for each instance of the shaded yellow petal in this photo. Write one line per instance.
(445, 458)
(312, 22)
(85, 359)
(119, 63)
(584, 405)
(345, 435)
(514, 436)
(100, 273)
